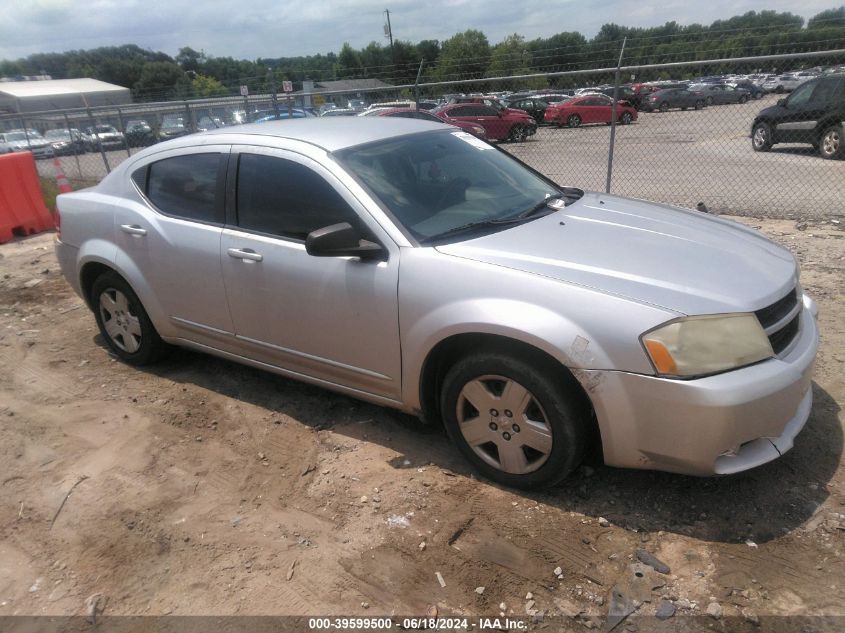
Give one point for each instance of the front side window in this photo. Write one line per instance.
(435, 182)
(800, 95)
(284, 198)
(186, 186)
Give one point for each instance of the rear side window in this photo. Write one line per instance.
(186, 186)
(287, 199)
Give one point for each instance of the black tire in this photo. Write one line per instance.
(779, 90)
(626, 118)
(831, 144)
(561, 404)
(683, 108)
(573, 121)
(743, 99)
(518, 133)
(709, 101)
(761, 137)
(664, 107)
(150, 347)
(699, 104)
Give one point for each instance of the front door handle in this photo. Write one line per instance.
(133, 229)
(245, 253)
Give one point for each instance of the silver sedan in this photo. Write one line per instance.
(415, 266)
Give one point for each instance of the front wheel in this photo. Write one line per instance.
(516, 423)
(124, 323)
(574, 120)
(743, 99)
(699, 105)
(832, 144)
(710, 101)
(761, 137)
(518, 133)
(626, 118)
(664, 107)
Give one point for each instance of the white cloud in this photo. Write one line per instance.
(269, 28)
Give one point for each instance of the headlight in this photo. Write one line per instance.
(701, 345)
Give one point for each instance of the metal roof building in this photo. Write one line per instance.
(54, 94)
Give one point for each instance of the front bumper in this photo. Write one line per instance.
(716, 425)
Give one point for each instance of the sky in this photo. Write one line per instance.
(285, 28)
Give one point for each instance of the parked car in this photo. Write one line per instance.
(814, 113)
(283, 113)
(754, 91)
(670, 98)
(341, 112)
(67, 142)
(106, 136)
(783, 83)
(29, 141)
(532, 105)
(410, 113)
(138, 133)
(172, 127)
(720, 94)
(591, 108)
(504, 124)
(413, 266)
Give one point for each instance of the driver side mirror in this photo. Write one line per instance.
(343, 240)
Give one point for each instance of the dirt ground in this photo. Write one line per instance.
(205, 487)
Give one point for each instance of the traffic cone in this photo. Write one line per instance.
(61, 179)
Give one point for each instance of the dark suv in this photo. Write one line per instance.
(814, 113)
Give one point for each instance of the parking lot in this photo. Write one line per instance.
(204, 487)
(679, 158)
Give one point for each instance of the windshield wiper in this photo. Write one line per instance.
(538, 207)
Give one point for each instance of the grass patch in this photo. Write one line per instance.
(49, 189)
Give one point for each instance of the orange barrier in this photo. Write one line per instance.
(22, 208)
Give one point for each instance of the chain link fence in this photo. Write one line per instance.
(681, 133)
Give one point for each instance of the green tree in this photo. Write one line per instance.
(205, 86)
(189, 59)
(348, 62)
(464, 56)
(158, 80)
(832, 18)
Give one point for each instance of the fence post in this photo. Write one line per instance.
(76, 150)
(123, 132)
(613, 119)
(417, 86)
(94, 130)
(246, 109)
(26, 133)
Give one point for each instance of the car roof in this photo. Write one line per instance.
(330, 133)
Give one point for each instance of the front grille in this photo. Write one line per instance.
(771, 315)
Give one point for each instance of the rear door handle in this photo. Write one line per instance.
(245, 253)
(133, 229)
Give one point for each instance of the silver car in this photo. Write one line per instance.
(414, 266)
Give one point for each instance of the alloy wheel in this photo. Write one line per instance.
(504, 424)
(760, 137)
(121, 325)
(831, 143)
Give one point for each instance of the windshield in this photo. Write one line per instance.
(105, 129)
(16, 136)
(436, 182)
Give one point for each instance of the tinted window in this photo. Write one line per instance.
(186, 186)
(801, 95)
(485, 111)
(825, 92)
(282, 197)
(461, 111)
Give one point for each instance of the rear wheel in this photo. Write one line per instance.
(761, 137)
(664, 107)
(514, 420)
(124, 323)
(574, 120)
(626, 118)
(743, 99)
(832, 144)
(710, 101)
(699, 105)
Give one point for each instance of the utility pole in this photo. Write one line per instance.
(388, 33)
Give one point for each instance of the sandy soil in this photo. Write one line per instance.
(201, 486)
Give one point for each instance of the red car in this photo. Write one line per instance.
(410, 113)
(500, 125)
(591, 108)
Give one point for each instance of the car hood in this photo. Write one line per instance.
(684, 261)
